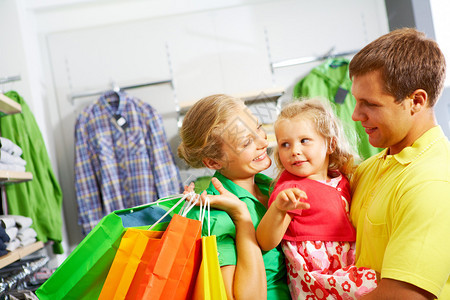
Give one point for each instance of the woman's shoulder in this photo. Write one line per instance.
(263, 179)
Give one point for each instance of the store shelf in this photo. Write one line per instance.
(8, 106)
(7, 176)
(271, 138)
(261, 95)
(20, 253)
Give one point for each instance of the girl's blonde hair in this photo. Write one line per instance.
(329, 126)
(202, 128)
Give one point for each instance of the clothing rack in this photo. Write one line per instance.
(10, 79)
(7, 105)
(17, 273)
(117, 88)
(253, 96)
(308, 59)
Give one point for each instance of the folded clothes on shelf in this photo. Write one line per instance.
(10, 147)
(7, 221)
(27, 242)
(3, 252)
(22, 221)
(12, 232)
(16, 231)
(13, 245)
(9, 167)
(3, 235)
(10, 159)
(26, 233)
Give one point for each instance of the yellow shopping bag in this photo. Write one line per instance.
(209, 284)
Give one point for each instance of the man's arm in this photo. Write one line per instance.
(391, 289)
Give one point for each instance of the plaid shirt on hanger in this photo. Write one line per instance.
(122, 158)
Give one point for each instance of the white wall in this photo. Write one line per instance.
(214, 47)
(440, 10)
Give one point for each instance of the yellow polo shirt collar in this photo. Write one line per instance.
(419, 147)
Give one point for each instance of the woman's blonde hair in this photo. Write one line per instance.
(320, 112)
(202, 128)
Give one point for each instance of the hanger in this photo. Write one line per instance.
(7, 105)
(10, 79)
(116, 88)
(303, 60)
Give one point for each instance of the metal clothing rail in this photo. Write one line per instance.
(308, 59)
(14, 275)
(74, 96)
(7, 105)
(10, 79)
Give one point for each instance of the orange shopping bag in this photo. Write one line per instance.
(134, 246)
(171, 266)
(173, 256)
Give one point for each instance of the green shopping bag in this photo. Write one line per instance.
(83, 273)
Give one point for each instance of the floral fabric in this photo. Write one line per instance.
(325, 270)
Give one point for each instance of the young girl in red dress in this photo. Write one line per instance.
(309, 206)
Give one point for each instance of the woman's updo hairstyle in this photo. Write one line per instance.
(202, 127)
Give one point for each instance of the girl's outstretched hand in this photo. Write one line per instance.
(290, 199)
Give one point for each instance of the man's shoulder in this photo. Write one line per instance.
(435, 163)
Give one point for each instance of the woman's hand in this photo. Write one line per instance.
(225, 201)
(290, 199)
(246, 279)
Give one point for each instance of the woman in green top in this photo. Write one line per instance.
(219, 132)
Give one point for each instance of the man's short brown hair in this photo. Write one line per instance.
(408, 61)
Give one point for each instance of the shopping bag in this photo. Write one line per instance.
(147, 266)
(134, 243)
(140, 279)
(172, 270)
(209, 284)
(83, 273)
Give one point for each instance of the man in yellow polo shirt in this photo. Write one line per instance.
(401, 196)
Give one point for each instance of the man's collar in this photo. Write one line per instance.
(422, 144)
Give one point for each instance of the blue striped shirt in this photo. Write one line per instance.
(120, 167)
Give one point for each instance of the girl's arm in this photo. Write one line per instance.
(247, 279)
(275, 222)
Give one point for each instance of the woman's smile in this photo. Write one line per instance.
(261, 157)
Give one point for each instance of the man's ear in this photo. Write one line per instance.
(212, 164)
(419, 100)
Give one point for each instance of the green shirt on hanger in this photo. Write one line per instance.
(223, 228)
(41, 198)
